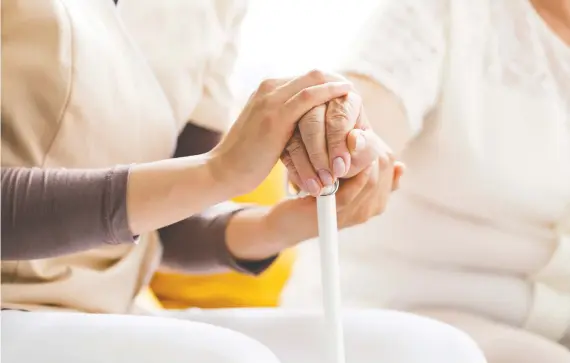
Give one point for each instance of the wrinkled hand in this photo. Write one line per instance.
(334, 129)
(256, 140)
(333, 140)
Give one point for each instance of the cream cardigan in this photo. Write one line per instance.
(482, 221)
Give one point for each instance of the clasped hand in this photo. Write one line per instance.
(317, 126)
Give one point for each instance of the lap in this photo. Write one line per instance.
(502, 343)
(370, 335)
(294, 336)
(93, 338)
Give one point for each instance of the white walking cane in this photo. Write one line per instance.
(330, 274)
(328, 241)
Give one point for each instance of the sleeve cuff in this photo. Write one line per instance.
(248, 267)
(116, 206)
(198, 244)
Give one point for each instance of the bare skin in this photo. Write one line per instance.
(164, 192)
(556, 13)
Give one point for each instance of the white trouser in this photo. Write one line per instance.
(293, 336)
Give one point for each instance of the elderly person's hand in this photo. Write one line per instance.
(369, 173)
(257, 234)
(334, 140)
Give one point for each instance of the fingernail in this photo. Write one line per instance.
(326, 177)
(339, 167)
(313, 187)
(360, 142)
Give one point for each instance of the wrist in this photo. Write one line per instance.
(293, 221)
(222, 176)
(164, 192)
(250, 235)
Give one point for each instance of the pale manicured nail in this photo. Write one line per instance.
(360, 142)
(326, 177)
(339, 167)
(313, 187)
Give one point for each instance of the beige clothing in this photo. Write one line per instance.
(88, 85)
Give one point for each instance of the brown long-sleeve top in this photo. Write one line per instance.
(52, 212)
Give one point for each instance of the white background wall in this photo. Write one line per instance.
(289, 37)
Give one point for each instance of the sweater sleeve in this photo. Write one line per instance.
(198, 243)
(52, 212)
(402, 46)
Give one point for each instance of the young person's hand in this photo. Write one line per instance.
(255, 142)
(259, 233)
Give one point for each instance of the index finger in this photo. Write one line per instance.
(312, 130)
(341, 117)
(310, 97)
(312, 78)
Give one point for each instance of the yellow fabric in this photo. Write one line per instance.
(176, 291)
(147, 300)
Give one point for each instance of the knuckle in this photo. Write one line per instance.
(294, 146)
(311, 123)
(336, 143)
(337, 122)
(337, 132)
(346, 105)
(311, 128)
(269, 116)
(316, 115)
(267, 85)
(338, 104)
(306, 95)
(317, 76)
(287, 161)
(263, 103)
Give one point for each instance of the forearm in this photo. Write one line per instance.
(385, 112)
(198, 243)
(167, 191)
(262, 232)
(223, 237)
(50, 212)
(46, 213)
(249, 236)
(201, 243)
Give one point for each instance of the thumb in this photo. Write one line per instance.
(365, 147)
